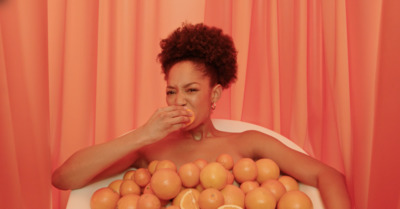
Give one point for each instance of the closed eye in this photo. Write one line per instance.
(192, 90)
(169, 92)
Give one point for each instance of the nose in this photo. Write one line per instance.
(180, 99)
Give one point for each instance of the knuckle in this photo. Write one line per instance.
(164, 115)
(184, 119)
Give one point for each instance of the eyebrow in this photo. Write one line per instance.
(184, 86)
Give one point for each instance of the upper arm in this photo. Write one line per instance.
(291, 162)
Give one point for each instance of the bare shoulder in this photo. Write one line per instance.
(255, 136)
(246, 137)
(256, 144)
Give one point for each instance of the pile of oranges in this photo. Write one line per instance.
(222, 184)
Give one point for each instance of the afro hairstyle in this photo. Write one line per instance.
(202, 45)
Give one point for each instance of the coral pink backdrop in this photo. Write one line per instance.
(323, 73)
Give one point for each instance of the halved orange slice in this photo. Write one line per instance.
(189, 200)
(191, 117)
(229, 207)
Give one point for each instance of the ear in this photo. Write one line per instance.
(216, 93)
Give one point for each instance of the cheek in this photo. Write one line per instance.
(201, 101)
(169, 100)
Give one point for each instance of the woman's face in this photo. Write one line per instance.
(188, 86)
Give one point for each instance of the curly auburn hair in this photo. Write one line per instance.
(202, 45)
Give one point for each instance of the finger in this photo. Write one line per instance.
(175, 124)
(170, 111)
(177, 113)
(172, 108)
(179, 120)
(177, 127)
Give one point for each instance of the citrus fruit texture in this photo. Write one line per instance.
(142, 176)
(289, 182)
(295, 199)
(221, 184)
(192, 117)
(213, 175)
(128, 201)
(233, 195)
(148, 201)
(188, 199)
(266, 169)
(260, 198)
(129, 187)
(165, 183)
(189, 174)
(211, 198)
(275, 187)
(104, 198)
(230, 207)
(245, 169)
(116, 185)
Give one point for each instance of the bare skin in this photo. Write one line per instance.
(166, 135)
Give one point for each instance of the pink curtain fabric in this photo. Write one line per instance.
(323, 73)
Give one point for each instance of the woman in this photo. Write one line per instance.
(198, 63)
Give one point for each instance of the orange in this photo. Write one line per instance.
(213, 175)
(104, 198)
(142, 176)
(187, 199)
(289, 182)
(230, 207)
(230, 179)
(128, 201)
(295, 199)
(147, 189)
(199, 187)
(201, 163)
(233, 195)
(211, 199)
(190, 174)
(226, 160)
(166, 164)
(152, 166)
(129, 174)
(247, 186)
(115, 185)
(245, 169)
(129, 187)
(267, 169)
(275, 187)
(193, 193)
(165, 183)
(260, 198)
(192, 117)
(148, 201)
(172, 207)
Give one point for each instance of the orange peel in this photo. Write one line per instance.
(192, 117)
(230, 207)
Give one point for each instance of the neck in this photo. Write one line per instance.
(205, 130)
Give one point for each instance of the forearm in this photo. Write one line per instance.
(86, 164)
(333, 189)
